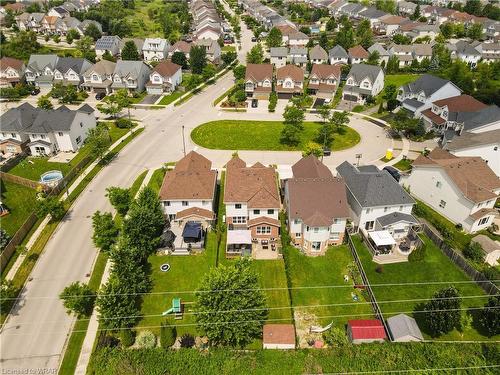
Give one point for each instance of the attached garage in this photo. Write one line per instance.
(351, 98)
(154, 90)
(285, 95)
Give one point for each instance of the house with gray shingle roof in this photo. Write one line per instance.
(130, 75)
(363, 81)
(298, 56)
(465, 52)
(48, 131)
(338, 55)
(70, 70)
(279, 56)
(40, 70)
(382, 52)
(317, 55)
(372, 195)
(108, 43)
(99, 77)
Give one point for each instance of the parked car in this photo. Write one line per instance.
(255, 103)
(254, 39)
(327, 151)
(35, 91)
(393, 172)
(100, 95)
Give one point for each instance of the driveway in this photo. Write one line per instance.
(150, 99)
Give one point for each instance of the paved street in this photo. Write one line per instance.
(35, 334)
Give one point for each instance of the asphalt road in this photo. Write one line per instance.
(35, 334)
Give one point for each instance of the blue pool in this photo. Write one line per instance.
(51, 177)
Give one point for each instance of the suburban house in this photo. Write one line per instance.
(364, 331)
(363, 81)
(99, 77)
(279, 56)
(130, 75)
(490, 52)
(252, 203)
(419, 95)
(82, 27)
(60, 12)
(155, 49)
(297, 39)
(278, 336)
(317, 55)
(404, 328)
(485, 145)
(70, 70)
(30, 21)
(164, 78)
(48, 131)
(138, 42)
(388, 24)
(481, 121)
(108, 43)
(406, 54)
(40, 70)
(449, 113)
(286, 30)
(180, 46)
(212, 49)
(66, 24)
(11, 71)
(406, 8)
(49, 24)
(382, 52)
(491, 249)
(324, 80)
(338, 55)
(298, 56)
(289, 81)
(465, 52)
(357, 55)
(187, 195)
(259, 80)
(316, 205)
(371, 14)
(462, 189)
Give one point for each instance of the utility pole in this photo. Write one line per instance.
(183, 141)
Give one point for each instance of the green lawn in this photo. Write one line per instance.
(167, 99)
(320, 271)
(157, 179)
(19, 200)
(33, 167)
(436, 267)
(228, 49)
(400, 79)
(262, 135)
(184, 275)
(403, 165)
(116, 133)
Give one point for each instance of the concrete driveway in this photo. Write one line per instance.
(150, 99)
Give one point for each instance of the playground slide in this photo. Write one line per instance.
(171, 310)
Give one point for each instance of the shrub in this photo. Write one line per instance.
(168, 334)
(124, 123)
(474, 252)
(417, 255)
(379, 268)
(107, 341)
(52, 206)
(273, 100)
(146, 340)
(127, 337)
(187, 341)
(335, 337)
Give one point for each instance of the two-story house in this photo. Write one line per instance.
(338, 55)
(363, 81)
(279, 56)
(11, 71)
(49, 24)
(462, 189)
(40, 70)
(155, 49)
(212, 48)
(48, 131)
(490, 52)
(324, 80)
(298, 56)
(108, 43)
(180, 46)
(70, 70)
(99, 77)
(252, 203)
(485, 145)
(286, 30)
(419, 95)
(130, 75)
(388, 24)
(465, 52)
(164, 78)
(357, 55)
(316, 204)
(30, 21)
(378, 204)
(289, 81)
(259, 80)
(317, 55)
(187, 196)
(383, 54)
(297, 39)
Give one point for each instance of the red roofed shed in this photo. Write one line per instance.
(366, 331)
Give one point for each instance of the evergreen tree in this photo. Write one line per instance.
(130, 52)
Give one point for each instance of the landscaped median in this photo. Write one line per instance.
(263, 135)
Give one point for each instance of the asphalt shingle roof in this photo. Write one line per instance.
(395, 217)
(427, 83)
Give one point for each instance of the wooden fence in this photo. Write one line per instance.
(28, 224)
(460, 261)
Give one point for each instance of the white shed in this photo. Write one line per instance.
(490, 247)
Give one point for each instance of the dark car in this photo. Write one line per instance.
(100, 95)
(254, 39)
(393, 172)
(255, 103)
(35, 91)
(327, 151)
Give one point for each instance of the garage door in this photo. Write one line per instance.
(154, 91)
(285, 95)
(351, 98)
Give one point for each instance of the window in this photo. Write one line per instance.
(484, 220)
(368, 210)
(369, 225)
(298, 234)
(334, 235)
(270, 212)
(13, 135)
(386, 209)
(264, 229)
(42, 136)
(442, 204)
(400, 208)
(256, 212)
(307, 228)
(495, 148)
(316, 230)
(167, 203)
(78, 140)
(438, 184)
(95, 77)
(239, 219)
(81, 124)
(237, 206)
(60, 134)
(296, 221)
(336, 221)
(185, 203)
(316, 246)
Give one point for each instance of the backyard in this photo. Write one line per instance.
(432, 273)
(19, 200)
(400, 79)
(263, 135)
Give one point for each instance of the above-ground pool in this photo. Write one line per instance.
(51, 178)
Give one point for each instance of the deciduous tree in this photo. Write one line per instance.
(78, 298)
(442, 312)
(255, 55)
(44, 102)
(105, 230)
(490, 316)
(197, 59)
(119, 198)
(274, 38)
(98, 141)
(180, 58)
